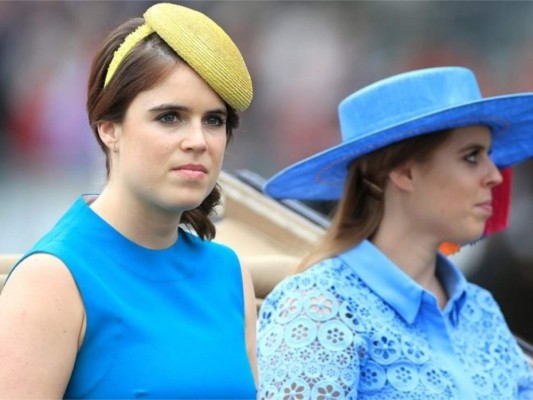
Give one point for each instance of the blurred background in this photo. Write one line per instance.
(304, 58)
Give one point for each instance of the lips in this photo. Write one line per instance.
(191, 171)
(486, 206)
(192, 167)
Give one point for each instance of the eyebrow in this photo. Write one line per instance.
(474, 146)
(177, 107)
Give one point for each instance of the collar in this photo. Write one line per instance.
(397, 288)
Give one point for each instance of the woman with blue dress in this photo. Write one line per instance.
(126, 296)
(375, 310)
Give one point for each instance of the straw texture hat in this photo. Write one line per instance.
(201, 43)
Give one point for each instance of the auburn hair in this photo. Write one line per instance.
(361, 206)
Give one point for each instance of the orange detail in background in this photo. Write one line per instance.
(448, 248)
(501, 206)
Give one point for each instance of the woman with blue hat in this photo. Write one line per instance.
(376, 311)
(126, 296)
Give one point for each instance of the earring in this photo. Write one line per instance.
(115, 148)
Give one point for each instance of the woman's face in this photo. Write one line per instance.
(452, 197)
(171, 143)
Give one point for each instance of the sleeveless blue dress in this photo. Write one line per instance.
(160, 323)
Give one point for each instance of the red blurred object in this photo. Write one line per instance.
(501, 200)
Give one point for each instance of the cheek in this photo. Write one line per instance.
(439, 197)
(159, 145)
(218, 149)
(455, 198)
(145, 156)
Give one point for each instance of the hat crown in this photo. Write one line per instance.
(402, 107)
(401, 98)
(206, 48)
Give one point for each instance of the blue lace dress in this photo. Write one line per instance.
(357, 327)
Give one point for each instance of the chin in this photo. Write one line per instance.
(184, 201)
(469, 238)
(188, 206)
(180, 206)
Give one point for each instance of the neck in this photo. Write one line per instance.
(416, 259)
(147, 226)
(413, 253)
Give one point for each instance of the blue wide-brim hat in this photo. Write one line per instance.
(403, 106)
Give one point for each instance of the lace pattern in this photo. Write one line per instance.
(324, 334)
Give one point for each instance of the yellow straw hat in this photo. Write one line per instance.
(201, 43)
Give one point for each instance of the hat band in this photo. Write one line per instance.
(123, 50)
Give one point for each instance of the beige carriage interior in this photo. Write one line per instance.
(269, 236)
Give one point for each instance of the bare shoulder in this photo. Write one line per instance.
(41, 287)
(42, 307)
(41, 270)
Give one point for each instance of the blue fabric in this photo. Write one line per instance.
(160, 323)
(357, 327)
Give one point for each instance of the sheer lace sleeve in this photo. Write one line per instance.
(305, 348)
(525, 383)
(524, 374)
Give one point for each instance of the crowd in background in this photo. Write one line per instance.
(304, 58)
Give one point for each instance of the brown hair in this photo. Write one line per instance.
(360, 209)
(144, 67)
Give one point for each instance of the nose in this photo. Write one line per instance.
(194, 139)
(494, 176)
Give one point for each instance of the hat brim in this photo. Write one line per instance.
(322, 176)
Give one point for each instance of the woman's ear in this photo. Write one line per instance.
(109, 133)
(402, 177)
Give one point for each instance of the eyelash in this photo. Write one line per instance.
(475, 155)
(161, 118)
(219, 121)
